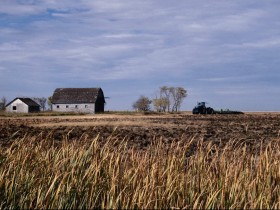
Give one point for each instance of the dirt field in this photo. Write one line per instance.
(141, 130)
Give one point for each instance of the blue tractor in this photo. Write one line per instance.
(202, 109)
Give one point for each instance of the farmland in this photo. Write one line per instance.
(140, 161)
(139, 129)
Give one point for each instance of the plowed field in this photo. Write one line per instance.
(141, 130)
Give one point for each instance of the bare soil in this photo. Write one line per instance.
(140, 131)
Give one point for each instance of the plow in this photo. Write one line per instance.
(201, 108)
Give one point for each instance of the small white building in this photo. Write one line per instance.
(84, 100)
(22, 105)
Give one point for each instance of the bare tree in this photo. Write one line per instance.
(50, 101)
(170, 99)
(178, 95)
(3, 102)
(42, 102)
(165, 96)
(142, 104)
(160, 104)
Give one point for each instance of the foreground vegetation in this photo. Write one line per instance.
(39, 173)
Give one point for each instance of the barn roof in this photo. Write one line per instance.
(75, 95)
(27, 101)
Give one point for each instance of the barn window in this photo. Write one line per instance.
(67, 106)
(57, 106)
(14, 107)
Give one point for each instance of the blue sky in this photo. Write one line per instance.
(224, 52)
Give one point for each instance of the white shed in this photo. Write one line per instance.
(22, 105)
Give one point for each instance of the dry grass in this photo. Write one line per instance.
(112, 120)
(125, 123)
(37, 173)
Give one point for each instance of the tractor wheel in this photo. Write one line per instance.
(210, 110)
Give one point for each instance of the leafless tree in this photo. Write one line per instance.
(3, 102)
(178, 94)
(50, 102)
(170, 99)
(160, 104)
(42, 102)
(142, 104)
(162, 101)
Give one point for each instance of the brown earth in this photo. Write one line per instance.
(142, 130)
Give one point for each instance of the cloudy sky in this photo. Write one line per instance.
(224, 52)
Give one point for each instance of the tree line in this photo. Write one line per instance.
(168, 99)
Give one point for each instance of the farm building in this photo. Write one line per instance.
(22, 105)
(84, 100)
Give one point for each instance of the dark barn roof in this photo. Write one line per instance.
(75, 95)
(27, 101)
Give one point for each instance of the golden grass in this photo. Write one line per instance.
(38, 173)
(108, 123)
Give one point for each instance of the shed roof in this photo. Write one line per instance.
(75, 95)
(27, 101)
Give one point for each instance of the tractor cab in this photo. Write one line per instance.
(202, 109)
(201, 104)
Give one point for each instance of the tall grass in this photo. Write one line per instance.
(40, 174)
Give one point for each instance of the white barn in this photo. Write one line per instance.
(84, 100)
(22, 105)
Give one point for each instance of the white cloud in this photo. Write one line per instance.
(258, 44)
(12, 7)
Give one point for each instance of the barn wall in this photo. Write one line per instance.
(34, 109)
(83, 108)
(100, 102)
(20, 107)
(99, 106)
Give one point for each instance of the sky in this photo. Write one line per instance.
(224, 52)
